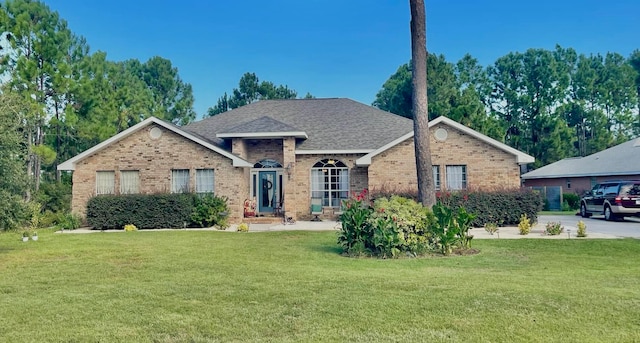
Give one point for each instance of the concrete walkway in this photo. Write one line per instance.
(478, 233)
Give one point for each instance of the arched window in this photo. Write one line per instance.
(330, 182)
(267, 163)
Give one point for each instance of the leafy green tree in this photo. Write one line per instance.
(77, 99)
(634, 61)
(455, 91)
(172, 98)
(39, 49)
(13, 154)
(395, 95)
(249, 90)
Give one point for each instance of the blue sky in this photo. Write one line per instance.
(335, 48)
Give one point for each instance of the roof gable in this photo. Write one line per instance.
(521, 157)
(70, 164)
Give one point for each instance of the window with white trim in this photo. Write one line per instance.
(204, 181)
(456, 177)
(330, 182)
(179, 180)
(436, 177)
(105, 182)
(129, 182)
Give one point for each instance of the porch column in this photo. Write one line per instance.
(289, 164)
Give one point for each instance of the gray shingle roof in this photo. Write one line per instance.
(331, 124)
(622, 159)
(262, 124)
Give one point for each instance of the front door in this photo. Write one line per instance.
(267, 191)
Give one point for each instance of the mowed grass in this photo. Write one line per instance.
(207, 286)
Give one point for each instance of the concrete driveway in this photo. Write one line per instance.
(629, 227)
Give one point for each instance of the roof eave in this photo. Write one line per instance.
(366, 159)
(333, 152)
(557, 176)
(262, 135)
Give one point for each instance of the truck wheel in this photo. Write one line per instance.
(583, 211)
(608, 215)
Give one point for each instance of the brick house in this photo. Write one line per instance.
(287, 154)
(580, 174)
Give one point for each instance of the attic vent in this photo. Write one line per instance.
(155, 133)
(637, 143)
(441, 134)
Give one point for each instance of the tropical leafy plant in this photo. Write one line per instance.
(356, 228)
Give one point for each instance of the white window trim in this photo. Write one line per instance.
(341, 184)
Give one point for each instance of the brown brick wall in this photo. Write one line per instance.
(487, 166)
(393, 169)
(155, 159)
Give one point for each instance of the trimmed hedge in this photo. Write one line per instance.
(503, 207)
(145, 211)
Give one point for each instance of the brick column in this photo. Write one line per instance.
(289, 164)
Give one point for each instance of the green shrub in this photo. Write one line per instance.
(55, 196)
(524, 225)
(572, 200)
(553, 228)
(209, 210)
(409, 219)
(152, 211)
(68, 221)
(503, 206)
(13, 210)
(394, 226)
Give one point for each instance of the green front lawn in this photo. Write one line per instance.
(203, 286)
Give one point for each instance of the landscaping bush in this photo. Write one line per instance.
(396, 226)
(582, 229)
(572, 200)
(553, 228)
(524, 226)
(55, 196)
(151, 211)
(408, 218)
(356, 233)
(503, 206)
(68, 221)
(451, 229)
(209, 210)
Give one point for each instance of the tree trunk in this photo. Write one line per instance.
(426, 190)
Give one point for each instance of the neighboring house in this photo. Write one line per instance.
(284, 153)
(579, 174)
